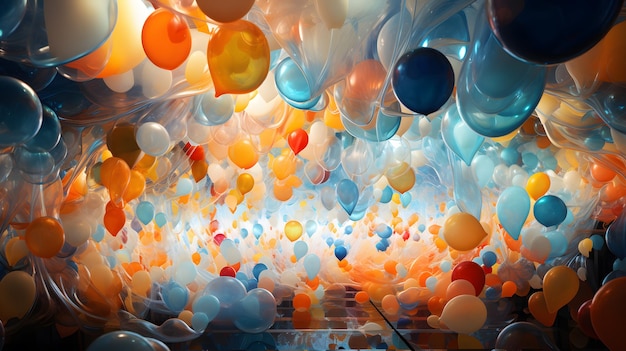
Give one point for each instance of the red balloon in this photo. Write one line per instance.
(584, 320)
(472, 272)
(298, 140)
(608, 313)
(228, 271)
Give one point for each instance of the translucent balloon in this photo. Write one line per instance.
(420, 68)
(512, 209)
(312, 265)
(363, 86)
(213, 111)
(121, 340)
(463, 232)
(524, 335)
(458, 136)
(347, 195)
(560, 285)
(49, 133)
(332, 12)
(459, 287)
(17, 295)
(608, 309)
(464, 314)
(225, 11)
(44, 237)
(522, 29)
(153, 138)
(393, 34)
(300, 248)
(11, 15)
(166, 39)
(21, 115)
(401, 177)
(550, 210)
(256, 311)
(239, 58)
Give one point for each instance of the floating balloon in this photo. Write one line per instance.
(524, 335)
(44, 237)
(122, 340)
(423, 80)
(21, 115)
(549, 210)
(537, 185)
(243, 154)
(472, 272)
(312, 265)
(239, 58)
(298, 140)
(17, 295)
(464, 314)
(560, 285)
(463, 232)
(539, 309)
(153, 138)
(512, 209)
(607, 312)
(458, 136)
(293, 230)
(522, 28)
(615, 239)
(347, 195)
(245, 183)
(225, 12)
(166, 39)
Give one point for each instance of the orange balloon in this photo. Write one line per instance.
(136, 186)
(114, 219)
(245, 183)
(243, 154)
(225, 11)
(115, 176)
(122, 143)
(560, 285)
(44, 237)
(608, 313)
(614, 55)
(463, 232)
(283, 166)
(537, 185)
(239, 57)
(401, 177)
(199, 170)
(301, 302)
(166, 39)
(539, 309)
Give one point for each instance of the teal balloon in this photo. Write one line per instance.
(145, 212)
(120, 340)
(483, 167)
(312, 265)
(347, 195)
(386, 195)
(175, 296)
(558, 243)
(36, 167)
(385, 127)
(458, 136)
(207, 304)
(256, 312)
(550, 210)
(20, 112)
(160, 219)
(496, 93)
(292, 85)
(300, 248)
(11, 14)
(512, 209)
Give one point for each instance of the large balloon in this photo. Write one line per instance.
(21, 114)
(550, 210)
(166, 39)
(608, 309)
(463, 232)
(464, 314)
(560, 285)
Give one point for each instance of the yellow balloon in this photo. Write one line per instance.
(17, 295)
(243, 154)
(239, 58)
(537, 185)
(293, 230)
(245, 183)
(401, 177)
(560, 285)
(463, 232)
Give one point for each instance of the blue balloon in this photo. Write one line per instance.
(300, 248)
(11, 14)
(145, 212)
(292, 85)
(458, 136)
(384, 231)
(256, 311)
(423, 80)
(386, 195)
(36, 167)
(551, 32)
(615, 238)
(341, 252)
(120, 340)
(21, 113)
(257, 269)
(386, 127)
(347, 195)
(550, 210)
(489, 258)
(175, 296)
(496, 93)
(512, 209)
(312, 265)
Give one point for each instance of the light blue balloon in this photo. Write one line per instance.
(209, 305)
(292, 85)
(257, 230)
(199, 321)
(384, 231)
(386, 195)
(184, 186)
(347, 195)
(312, 265)
(145, 212)
(512, 209)
(160, 219)
(496, 92)
(405, 199)
(558, 243)
(175, 296)
(213, 111)
(483, 169)
(458, 136)
(385, 127)
(310, 227)
(35, 166)
(120, 340)
(467, 194)
(256, 312)
(328, 197)
(300, 248)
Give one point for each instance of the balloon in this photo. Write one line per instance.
(256, 311)
(332, 12)
(312, 265)
(423, 80)
(114, 219)
(496, 93)
(401, 177)
(512, 209)
(243, 154)
(608, 309)
(292, 85)
(615, 238)
(524, 336)
(393, 33)
(49, 133)
(539, 309)
(122, 144)
(464, 314)
(560, 285)
(300, 248)
(153, 139)
(44, 237)
(584, 319)
(239, 58)
(21, 115)
(363, 85)
(550, 210)
(166, 39)
(11, 14)
(298, 140)
(213, 111)
(458, 136)
(120, 340)
(115, 176)
(347, 195)
(537, 185)
(293, 230)
(245, 183)
(17, 295)
(459, 287)
(463, 232)
(225, 11)
(341, 252)
(472, 272)
(522, 28)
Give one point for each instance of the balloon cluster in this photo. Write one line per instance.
(207, 159)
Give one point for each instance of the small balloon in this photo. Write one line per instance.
(550, 210)
(347, 195)
(166, 39)
(472, 272)
(539, 309)
(21, 115)
(44, 237)
(341, 252)
(537, 185)
(312, 265)
(512, 209)
(298, 140)
(463, 232)
(245, 183)
(293, 230)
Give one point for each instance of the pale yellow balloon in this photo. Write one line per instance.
(15, 250)
(332, 12)
(17, 295)
(464, 314)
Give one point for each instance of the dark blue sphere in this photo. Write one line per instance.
(551, 31)
(423, 80)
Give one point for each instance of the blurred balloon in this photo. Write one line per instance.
(608, 309)
(225, 12)
(17, 295)
(166, 39)
(584, 319)
(347, 195)
(44, 237)
(549, 210)
(463, 232)
(145, 212)
(239, 58)
(512, 209)
(524, 336)
(256, 311)
(363, 86)
(11, 15)
(560, 285)
(522, 28)
(464, 314)
(245, 183)
(392, 35)
(615, 238)
(420, 68)
(458, 136)
(312, 265)
(21, 115)
(472, 272)
(121, 340)
(341, 252)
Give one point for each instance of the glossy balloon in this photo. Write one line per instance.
(21, 115)
(512, 209)
(166, 39)
(463, 232)
(472, 272)
(549, 210)
(608, 309)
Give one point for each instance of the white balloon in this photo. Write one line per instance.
(332, 12)
(388, 38)
(120, 83)
(153, 139)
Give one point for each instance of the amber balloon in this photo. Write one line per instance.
(239, 58)
(44, 237)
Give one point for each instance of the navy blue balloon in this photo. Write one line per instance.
(616, 237)
(550, 210)
(49, 133)
(551, 31)
(423, 80)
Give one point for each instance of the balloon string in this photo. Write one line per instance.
(406, 342)
(42, 203)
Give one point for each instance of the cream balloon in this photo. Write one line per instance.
(17, 295)
(464, 314)
(332, 12)
(120, 83)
